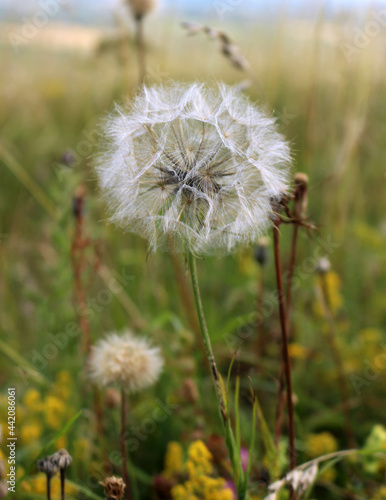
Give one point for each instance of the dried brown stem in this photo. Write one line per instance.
(122, 441)
(284, 332)
(79, 244)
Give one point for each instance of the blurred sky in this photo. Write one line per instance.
(90, 11)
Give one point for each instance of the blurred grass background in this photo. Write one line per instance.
(333, 112)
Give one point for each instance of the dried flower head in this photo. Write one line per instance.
(141, 8)
(62, 459)
(202, 164)
(114, 487)
(126, 359)
(47, 466)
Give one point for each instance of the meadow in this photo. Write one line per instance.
(66, 270)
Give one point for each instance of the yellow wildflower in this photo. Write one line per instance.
(174, 459)
(32, 400)
(321, 444)
(297, 351)
(199, 459)
(38, 484)
(30, 432)
(335, 298)
(55, 410)
(380, 494)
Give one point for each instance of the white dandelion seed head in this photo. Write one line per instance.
(141, 8)
(201, 163)
(125, 359)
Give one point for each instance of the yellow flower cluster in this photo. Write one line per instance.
(321, 444)
(53, 410)
(380, 494)
(174, 459)
(200, 484)
(333, 285)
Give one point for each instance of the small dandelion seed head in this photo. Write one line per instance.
(125, 359)
(203, 164)
(323, 266)
(62, 459)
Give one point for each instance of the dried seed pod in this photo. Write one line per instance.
(62, 459)
(114, 487)
(47, 466)
(300, 194)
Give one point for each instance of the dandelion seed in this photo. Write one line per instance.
(203, 164)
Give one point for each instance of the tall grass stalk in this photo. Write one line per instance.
(343, 388)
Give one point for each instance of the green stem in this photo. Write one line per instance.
(206, 339)
(220, 390)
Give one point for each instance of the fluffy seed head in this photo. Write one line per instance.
(141, 8)
(203, 164)
(127, 360)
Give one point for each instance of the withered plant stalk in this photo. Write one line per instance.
(125, 472)
(299, 215)
(284, 332)
(78, 247)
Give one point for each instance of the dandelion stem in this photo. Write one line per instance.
(206, 339)
(284, 331)
(123, 444)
